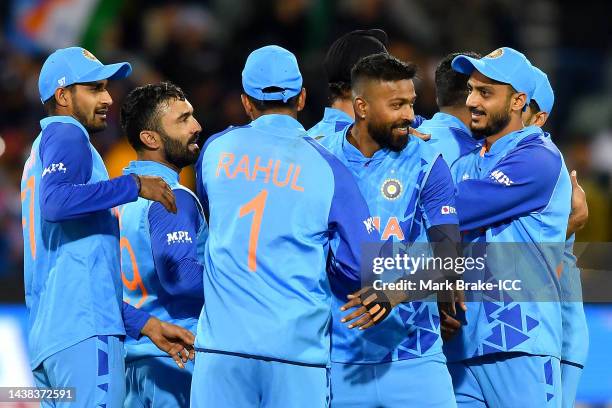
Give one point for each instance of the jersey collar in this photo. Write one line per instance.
(512, 139)
(278, 121)
(152, 168)
(62, 119)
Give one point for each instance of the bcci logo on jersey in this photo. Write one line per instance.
(391, 189)
(178, 237)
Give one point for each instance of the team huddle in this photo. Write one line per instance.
(256, 290)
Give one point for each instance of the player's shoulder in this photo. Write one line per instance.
(63, 132)
(536, 145)
(336, 166)
(230, 130)
(419, 149)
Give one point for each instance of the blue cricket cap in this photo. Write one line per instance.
(543, 94)
(75, 65)
(271, 66)
(503, 65)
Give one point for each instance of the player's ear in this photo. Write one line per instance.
(63, 97)
(361, 108)
(150, 139)
(248, 107)
(540, 119)
(301, 102)
(519, 100)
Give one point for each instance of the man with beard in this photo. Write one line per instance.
(159, 124)
(341, 57)
(575, 344)
(71, 239)
(409, 191)
(516, 190)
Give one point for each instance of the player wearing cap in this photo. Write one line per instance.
(160, 263)
(341, 57)
(71, 272)
(575, 343)
(409, 190)
(518, 190)
(449, 128)
(280, 209)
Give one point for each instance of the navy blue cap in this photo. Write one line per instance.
(75, 65)
(271, 66)
(543, 95)
(503, 65)
(347, 50)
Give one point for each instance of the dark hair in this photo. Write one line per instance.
(339, 90)
(535, 108)
(381, 67)
(451, 86)
(141, 109)
(263, 106)
(50, 105)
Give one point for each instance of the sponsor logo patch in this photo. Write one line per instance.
(178, 237)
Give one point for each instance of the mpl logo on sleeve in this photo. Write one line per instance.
(179, 237)
(53, 168)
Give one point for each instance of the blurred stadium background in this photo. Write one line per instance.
(202, 45)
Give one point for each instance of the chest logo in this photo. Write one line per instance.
(391, 189)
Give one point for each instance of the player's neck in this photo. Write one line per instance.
(514, 125)
(359, 137)
(155, 157)
(460, 112)
(345, 105)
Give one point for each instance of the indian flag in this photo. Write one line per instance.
(45, 25)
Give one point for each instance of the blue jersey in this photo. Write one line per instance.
(518, 192)
(159, 257)
(449, 136)
(575, 345)
(334, 120)
(281, 209)
(407, 193)
(71, 239)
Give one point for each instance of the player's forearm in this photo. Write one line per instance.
(577, 220)
(61, 202)
(134, 320)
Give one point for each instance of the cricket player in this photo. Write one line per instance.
(410, 193)
(77, 320)
(575, 343)
(160, 262)
(449, 128)
(341, 57)
(516, 190)
(281, 210)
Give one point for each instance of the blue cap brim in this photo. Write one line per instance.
(111, 71)
(466, 65)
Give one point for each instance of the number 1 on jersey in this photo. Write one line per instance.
(256, 206)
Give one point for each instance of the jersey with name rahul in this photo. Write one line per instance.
(285, 216)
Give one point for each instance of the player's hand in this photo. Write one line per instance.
(449, 326)
(580, 210)
(173, 339)
(372, 307)
(422, 136)
(450, 300)
(156, 189)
